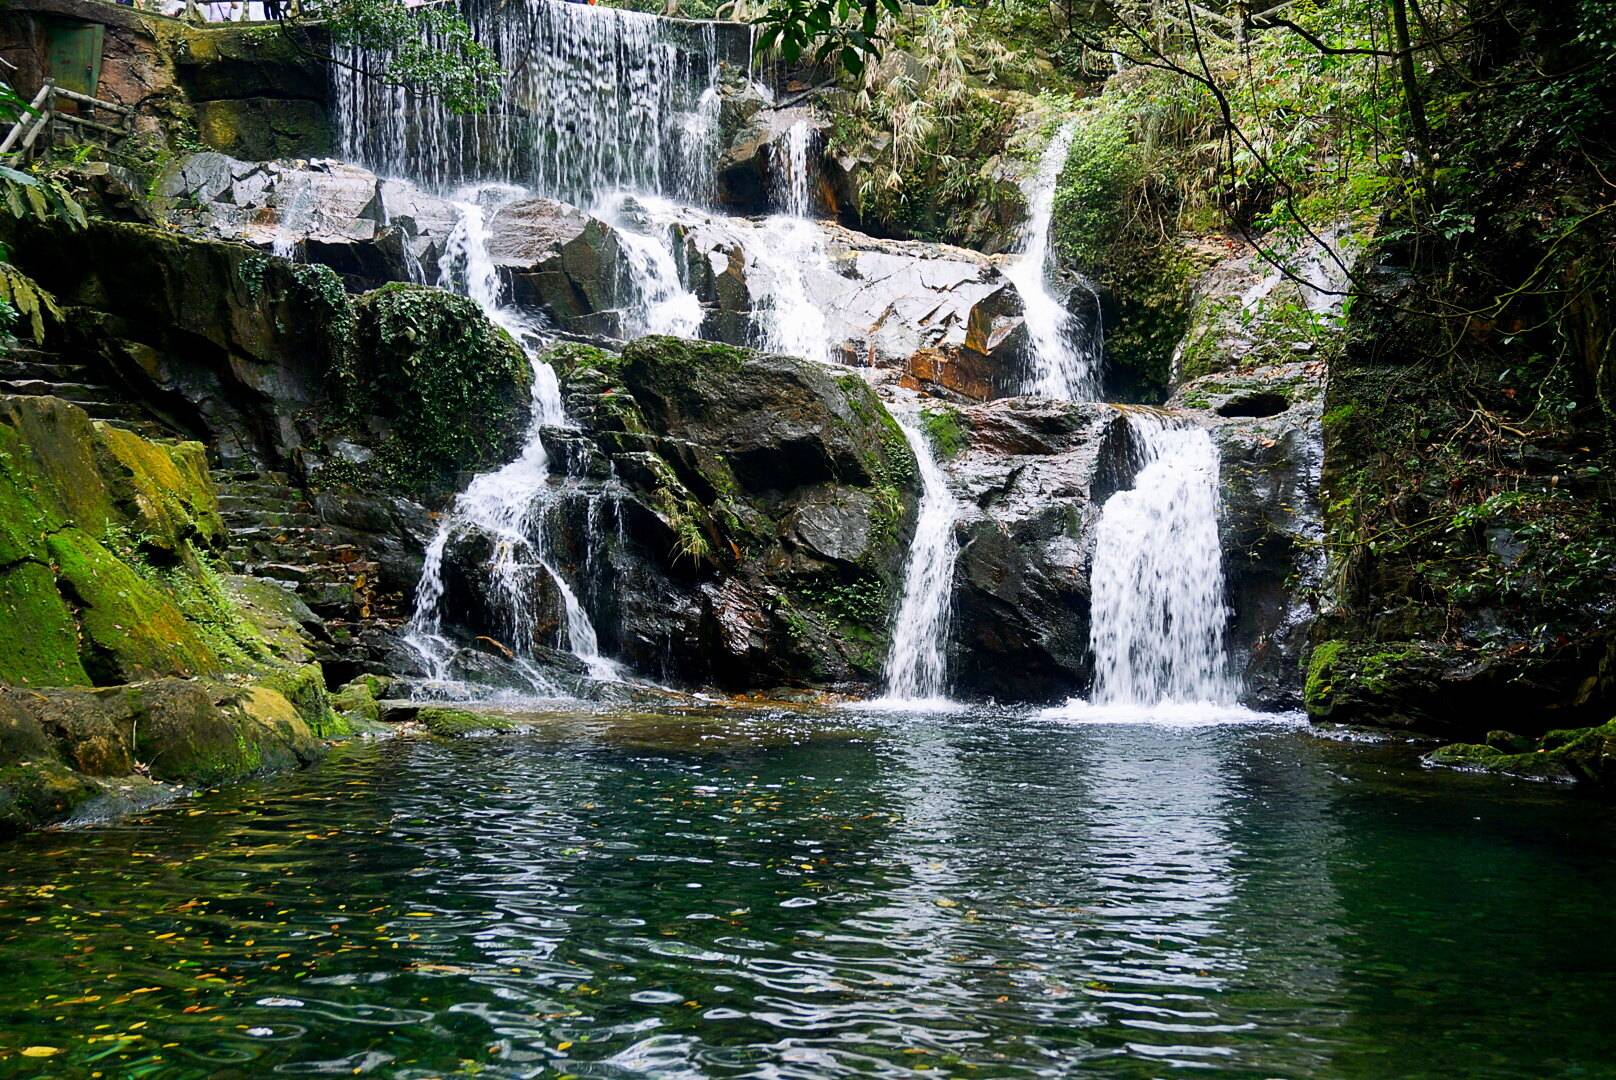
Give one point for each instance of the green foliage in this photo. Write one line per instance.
(428, 48)
(1096, 191)
(845, 33)
(24, 299)
(934, 131)
(452, 386)
(946, 428)
(24, 197)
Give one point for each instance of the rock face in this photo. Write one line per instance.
(729, 518)
(946, 318)
(1470, 589)
(1033, 475)
(1265, 422)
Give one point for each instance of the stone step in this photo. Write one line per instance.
(48, 370)
(233, 501)
(250, 477)
(69, 391)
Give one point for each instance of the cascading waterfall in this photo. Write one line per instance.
(791, 181)
(656, 302)
(508, 504)
(596, 99)
(917, 662)
(1157, 611)
(1066, 350)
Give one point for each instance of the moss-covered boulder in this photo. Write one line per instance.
(61, 749)
(435, 387)
(732, 517)
(122, 630)
(451, 723)
(1575, 755)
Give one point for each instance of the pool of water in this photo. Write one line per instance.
(821, 895)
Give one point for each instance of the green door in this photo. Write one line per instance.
(73, 55)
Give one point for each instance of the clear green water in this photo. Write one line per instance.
(800, 897)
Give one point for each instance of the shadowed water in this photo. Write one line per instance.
(800, 895)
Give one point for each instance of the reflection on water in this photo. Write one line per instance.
(804, 895)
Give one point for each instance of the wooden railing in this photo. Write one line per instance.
(45, 118)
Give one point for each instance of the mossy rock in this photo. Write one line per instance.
(199, 733)
(355, 702)
(61, 748)
(1579, 755)
(40, 792)
(42, 646)
(452, 723)
(166, 490)
(305, 688)
(130, 630)
(449, 385)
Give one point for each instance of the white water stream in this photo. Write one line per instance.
(917, 662)
(507, 505)
(654, 300)
(1066, 350)
(1156, 610)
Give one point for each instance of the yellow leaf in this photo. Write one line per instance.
(40, 1051)
(564, 1046)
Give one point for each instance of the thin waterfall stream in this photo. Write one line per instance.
(1066, 350)
(508, 503)
(917, 662)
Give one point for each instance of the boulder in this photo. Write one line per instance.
(728, 517)
(1033, 475)
(64, 750)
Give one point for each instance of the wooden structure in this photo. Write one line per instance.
(61, 116)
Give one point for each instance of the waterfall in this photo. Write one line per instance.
(1156, 611)
(791, 179)
(653, 299)
(508, 504)
(596, 99)
(1066, 350)
(917, 662)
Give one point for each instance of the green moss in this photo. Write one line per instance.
(356, 702)
(166, 490)
(42, 637)
(305, 688)
(453, 723)
(40, 792)
(1320, 676)
(569, 356)
(1584, 755)
(130, 630)
(945, 427)
(452, 386)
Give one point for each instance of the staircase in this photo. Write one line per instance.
(33, 372)
(276, 533)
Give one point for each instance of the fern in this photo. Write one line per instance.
(30, 300)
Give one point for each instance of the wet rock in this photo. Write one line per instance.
(62, 749)
(747, 531)
(1033, 476)
(750, 170)
(1266, 424)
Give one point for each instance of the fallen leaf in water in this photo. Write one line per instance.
(40, 1051)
